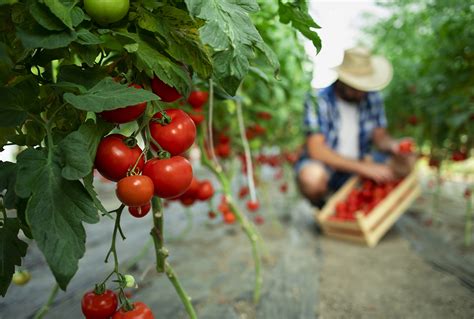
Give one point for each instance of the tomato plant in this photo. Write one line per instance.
(60, 101)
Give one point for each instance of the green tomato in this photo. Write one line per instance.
(106, 11)
(21, 278)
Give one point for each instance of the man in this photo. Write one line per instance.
(341, 128)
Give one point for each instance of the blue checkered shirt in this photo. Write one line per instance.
(321, 115)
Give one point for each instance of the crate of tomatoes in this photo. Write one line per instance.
(363, 211)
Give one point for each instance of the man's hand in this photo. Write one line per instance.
(380, 173)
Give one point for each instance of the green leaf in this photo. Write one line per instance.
(182, 36)
(93, 133)
(87, 53)
(72, 150)
(80, 78)
(234, 38)
(55, 212)
(62, 9)
(109, 95)
(89, 186)
(7, 182)
(86, 37)
(16, 102)
(6, 63)
(44, 17)
(12, 250)
(296, 13)
(151, 61)
(38, 37)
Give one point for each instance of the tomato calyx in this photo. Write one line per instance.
(130, 141)
(165, 119)
(163, 154)
(100, 289)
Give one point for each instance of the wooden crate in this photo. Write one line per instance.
(369, 229)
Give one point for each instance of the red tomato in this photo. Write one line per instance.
(171, 176)
(189, 196)
(139, 311)
(125, 114)
(264, 115)
(434, 162)
(187, 201)
(341, 208)
(211, 214)
(177, 136)
(467, 193)
(413, 120)
(141, 211)
(197, 118)
(223, 139)
(222, 150)
(405, 147)
(229, 218)
(135, 191)
(284, 187)
(253, 205)
(259, 220)
(198, 98)
(205, 191)
(99, 306)
(164, 91)
(114, 158)
(459, 156)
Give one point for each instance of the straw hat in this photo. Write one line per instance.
(363, 71)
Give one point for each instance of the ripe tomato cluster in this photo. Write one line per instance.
(104, 306)
(199, 190)
(121, 160)
(363, 198)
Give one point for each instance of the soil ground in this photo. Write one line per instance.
(306, 275)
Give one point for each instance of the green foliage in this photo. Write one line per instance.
(12, 250)
(232, 36)
(58, 67)
(431, 47)
(296, 13)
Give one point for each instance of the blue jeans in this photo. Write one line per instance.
(336, 178)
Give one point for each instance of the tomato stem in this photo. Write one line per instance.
(45, 308)
(248, 155)
(468, 222)
(185, 299)
(157, 234)
(246, 225)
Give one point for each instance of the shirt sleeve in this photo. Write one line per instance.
(378, 110)
(315, 115)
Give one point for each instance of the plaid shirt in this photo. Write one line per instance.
(323, 117)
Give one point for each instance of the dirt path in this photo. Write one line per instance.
(389, 281)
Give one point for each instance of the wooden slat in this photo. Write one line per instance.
(343, 224)
(352, 238)
(397, 211)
